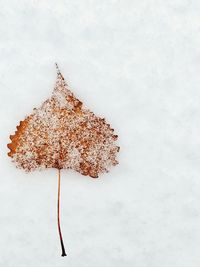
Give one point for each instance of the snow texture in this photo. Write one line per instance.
(136, 63)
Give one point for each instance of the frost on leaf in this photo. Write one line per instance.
(62, 134)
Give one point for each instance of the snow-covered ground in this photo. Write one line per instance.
(137, 63)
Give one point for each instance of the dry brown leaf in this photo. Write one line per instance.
(63, 134)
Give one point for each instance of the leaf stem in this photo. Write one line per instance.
(58, 217)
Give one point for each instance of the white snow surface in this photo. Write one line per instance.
(136, 63)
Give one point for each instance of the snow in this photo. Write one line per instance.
(136, 63)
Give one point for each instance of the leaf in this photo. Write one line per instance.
(63, 134)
